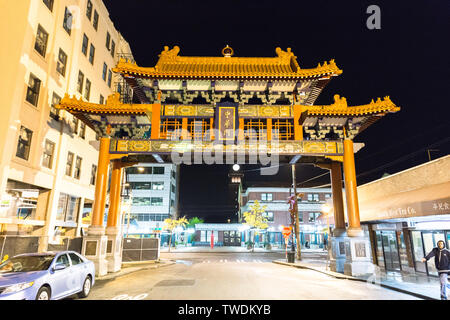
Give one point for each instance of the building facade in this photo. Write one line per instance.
(277, 212)
(49, 159)
(406, 214)
(153, 197)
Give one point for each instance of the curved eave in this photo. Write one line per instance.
(112, 106)
(132, 70)
(90, 110)
(377, 108)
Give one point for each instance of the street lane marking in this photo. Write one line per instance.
(127, 297)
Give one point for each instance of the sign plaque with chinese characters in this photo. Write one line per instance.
(226, 121)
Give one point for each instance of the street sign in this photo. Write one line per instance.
(286, 231)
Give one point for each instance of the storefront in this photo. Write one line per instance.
(406, 214)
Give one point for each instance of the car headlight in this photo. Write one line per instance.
(18, 287)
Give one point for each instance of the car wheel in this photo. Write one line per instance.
(43, 294)
(87, 285)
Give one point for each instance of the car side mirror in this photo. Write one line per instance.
(59, 266)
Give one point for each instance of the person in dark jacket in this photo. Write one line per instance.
(442, 261)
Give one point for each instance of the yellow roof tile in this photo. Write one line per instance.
(170, 64)
(340, 108)
(113, 105)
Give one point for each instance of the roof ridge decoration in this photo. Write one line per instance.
(284, 65)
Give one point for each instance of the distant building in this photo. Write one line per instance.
(49, 158)
(153, 197)
(277, 212)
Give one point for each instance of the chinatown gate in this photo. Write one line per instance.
(237, 109)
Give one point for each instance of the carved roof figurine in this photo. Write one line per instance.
(172, 65)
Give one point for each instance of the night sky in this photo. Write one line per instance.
(408, 59)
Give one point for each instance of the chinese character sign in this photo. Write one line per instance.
(227, 123)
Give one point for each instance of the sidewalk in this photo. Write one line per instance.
(129, 267)
(201, 249)
(416, 285)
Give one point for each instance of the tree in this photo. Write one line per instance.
(193, 221)
(171, 224)
(255, 219)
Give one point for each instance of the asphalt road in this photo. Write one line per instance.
(251, 276)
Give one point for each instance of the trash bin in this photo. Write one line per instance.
(291, 257)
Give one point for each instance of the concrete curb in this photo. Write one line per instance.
(154, 265)
(345, 277)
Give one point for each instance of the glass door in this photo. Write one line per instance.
(392, 260)
(380, 254)
(416, 238)
(429, 244)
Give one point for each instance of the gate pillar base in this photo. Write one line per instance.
(336, 252)
(358, 256)
(351, 255)
(114, 249)
(94, 248)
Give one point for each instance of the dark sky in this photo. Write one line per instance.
(408, 59)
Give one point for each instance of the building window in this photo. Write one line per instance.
(113, 48)
(105, 69)
(74, 126)
(68, 207)
(67, 24)
(87, 91)
(327, 195)
(102, 99)
(108, 41)
(95, 21)
(47, 158)
(41, 41)
(141, 185)
(54, 113)
(268, 216)
(170, 129)
(266, 197)
(49, 4)
(314, 197)
(158, 170)
(157, 201)
(283, 129)
(82, 130)
(69, 164)
(93, 174)
(62, 62)
(85, 44)
(24, 144)
(255, 129)
(34, 85)
(89, 10)
(77, 172)
(313, 216)
(80, 82)
(91, 54)
(140, 170)
(157, 185)
(109, 78)
(172, 188)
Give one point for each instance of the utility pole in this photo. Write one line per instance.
(296, 219)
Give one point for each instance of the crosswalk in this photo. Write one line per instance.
(234, 261)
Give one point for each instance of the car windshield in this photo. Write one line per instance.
(26, 264)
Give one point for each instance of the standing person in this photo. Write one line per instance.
(442, 262)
